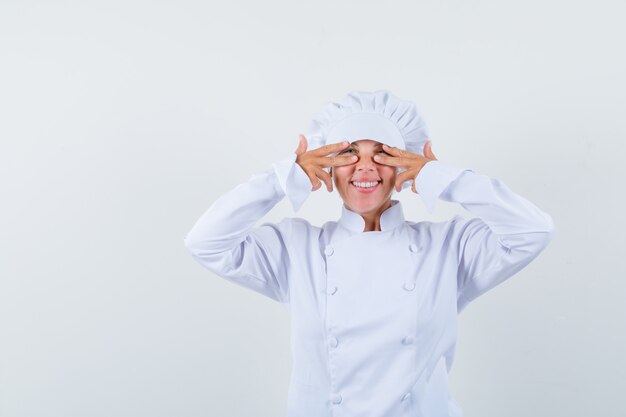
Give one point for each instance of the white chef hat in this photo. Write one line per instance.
(378, 115)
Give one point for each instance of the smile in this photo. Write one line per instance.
(366, 187)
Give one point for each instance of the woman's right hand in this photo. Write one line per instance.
(313, 161)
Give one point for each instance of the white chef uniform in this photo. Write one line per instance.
(373, 314)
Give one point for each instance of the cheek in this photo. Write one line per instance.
(389, 174)
(340, 174)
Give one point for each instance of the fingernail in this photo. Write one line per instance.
(377, 157)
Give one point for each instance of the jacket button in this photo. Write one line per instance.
(328, 250)
(413, 247)
(333, 342)
(332, 290)
(406, 396)
(336, 398)
(408, 340)
(409, 286)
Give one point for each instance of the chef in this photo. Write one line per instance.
(373, 297)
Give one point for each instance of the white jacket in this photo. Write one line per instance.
(373, 314)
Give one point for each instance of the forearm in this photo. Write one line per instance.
(229, 219)
(506, 212)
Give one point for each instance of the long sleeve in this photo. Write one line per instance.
(507, 234)
(293, 181)
(225, 241)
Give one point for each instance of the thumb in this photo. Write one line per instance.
(428, 150)
(302, 145)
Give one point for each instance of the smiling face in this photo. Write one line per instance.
(363, 198)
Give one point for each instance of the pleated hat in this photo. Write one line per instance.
(377, 115)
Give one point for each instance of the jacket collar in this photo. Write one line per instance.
(389, 219)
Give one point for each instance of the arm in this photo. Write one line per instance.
(507, 235)
(225, 241)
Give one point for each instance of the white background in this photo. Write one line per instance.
(122, 121)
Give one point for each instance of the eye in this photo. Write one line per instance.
(352, 150)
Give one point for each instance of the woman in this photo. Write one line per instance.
(374, 298)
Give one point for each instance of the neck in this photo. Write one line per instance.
(372, 218)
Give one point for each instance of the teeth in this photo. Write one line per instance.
(365, 184)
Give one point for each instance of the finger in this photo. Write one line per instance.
(302, 145)
(394, 161)
(339, 160)
(392, 150)
(315, 182)
(325, 176)
(428, 150)
(402, 177)
(400, 153)
(331, 148)
(413, 187)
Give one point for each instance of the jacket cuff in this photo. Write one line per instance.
(294, 182)
(432, 180)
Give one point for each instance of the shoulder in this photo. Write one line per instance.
(451, 229)
(437, 227)
(292, 226)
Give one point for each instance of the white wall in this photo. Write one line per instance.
(122, 121)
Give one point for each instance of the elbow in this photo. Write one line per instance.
(191, 244)
(528, 245)
(204, 247)
(543, 234)
(550, 228)
(541, 240)
(188, 245)
(523, 247)
(545, 240)
(549, 223)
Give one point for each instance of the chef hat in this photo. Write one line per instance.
(378, 115)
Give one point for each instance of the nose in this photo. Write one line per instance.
(365, 163)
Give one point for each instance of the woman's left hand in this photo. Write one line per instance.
(405, 159)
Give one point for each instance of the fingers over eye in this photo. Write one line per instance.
(329, 149)
(339, 160)
(385, 159)
(337, 146)
(347, 159)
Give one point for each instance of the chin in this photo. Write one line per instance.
(364, 205)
